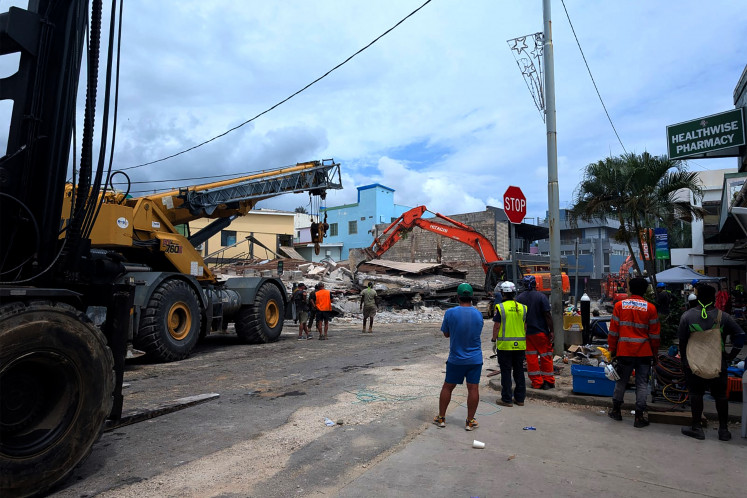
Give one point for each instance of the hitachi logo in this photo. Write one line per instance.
(439, 229)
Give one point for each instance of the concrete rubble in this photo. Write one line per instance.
(408, 292)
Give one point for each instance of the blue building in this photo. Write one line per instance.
(354, 224)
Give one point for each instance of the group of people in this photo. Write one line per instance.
(523, 329)
(318, 305)
(634, 342)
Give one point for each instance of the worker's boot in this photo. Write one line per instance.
(639, 420)
(615, 413)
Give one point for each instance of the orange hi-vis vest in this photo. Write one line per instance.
(323, 300)
(634, 328)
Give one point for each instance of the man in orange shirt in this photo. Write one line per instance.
(324, 308)
(634, 340)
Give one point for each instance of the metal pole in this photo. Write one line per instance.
(515, 275)
(553, 201)
(575, 287)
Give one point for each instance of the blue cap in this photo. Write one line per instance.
(695, 281)
(661, 284)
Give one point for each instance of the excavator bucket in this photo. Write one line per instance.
(357, 257)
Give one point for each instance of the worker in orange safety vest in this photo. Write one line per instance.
(323, 301)
(634, 341)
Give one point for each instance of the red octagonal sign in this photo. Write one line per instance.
(515, 204)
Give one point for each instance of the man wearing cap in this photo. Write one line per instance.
(663, 300)
(509, 336)
(462, 326)
(706, 318)
(540, 335)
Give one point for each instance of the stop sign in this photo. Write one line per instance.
(515, 204)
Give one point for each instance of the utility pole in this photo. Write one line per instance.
(553, 201)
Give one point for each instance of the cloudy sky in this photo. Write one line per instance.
(436, 110)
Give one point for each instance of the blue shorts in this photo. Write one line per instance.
(455, 374)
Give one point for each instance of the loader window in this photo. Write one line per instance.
(227, 237)
(353, 227)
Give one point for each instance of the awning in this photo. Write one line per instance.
(684, 275)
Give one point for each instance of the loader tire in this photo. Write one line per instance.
(56, 380)
(170, 323)
(262, 321)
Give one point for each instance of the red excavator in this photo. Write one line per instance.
(496, 268)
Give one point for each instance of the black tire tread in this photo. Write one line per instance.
(49, 479)
(149, 338)
(250, 320)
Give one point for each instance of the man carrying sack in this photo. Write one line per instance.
(702, 332)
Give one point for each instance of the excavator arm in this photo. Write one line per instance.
(457, 231)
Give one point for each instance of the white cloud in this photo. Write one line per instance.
(437, 109)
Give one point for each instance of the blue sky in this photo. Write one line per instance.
(436, 110)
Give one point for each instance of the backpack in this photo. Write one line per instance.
(704, 351)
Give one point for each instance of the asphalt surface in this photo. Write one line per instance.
(265, 435)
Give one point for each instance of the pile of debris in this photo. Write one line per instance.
(421, 287)
(593, 356)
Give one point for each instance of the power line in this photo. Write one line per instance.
(591, 76)
(287, 98)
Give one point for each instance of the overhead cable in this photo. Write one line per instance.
(287, 98)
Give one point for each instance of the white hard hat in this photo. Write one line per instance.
(508, 287)
(692, 297)
(611, 373)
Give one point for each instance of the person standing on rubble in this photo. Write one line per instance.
(302, 307)
(368, 305)
(706, 317)
(509, 336)
(634, 340)
(462, 326)
(540, 335)
(323, 300)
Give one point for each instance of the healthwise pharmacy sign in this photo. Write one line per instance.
(700, 137)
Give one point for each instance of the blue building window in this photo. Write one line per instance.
(353, 227)
(333, 229)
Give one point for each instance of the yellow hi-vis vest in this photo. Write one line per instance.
(512, 335)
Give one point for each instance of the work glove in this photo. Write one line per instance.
(494, 348)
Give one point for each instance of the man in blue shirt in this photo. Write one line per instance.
(463, 326)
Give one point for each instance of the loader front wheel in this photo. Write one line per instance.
(170, 323)
(262, 321)
(56, 380)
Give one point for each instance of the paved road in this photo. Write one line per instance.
(265, 435)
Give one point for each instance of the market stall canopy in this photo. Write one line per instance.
(683, 275)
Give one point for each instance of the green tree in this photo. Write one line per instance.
(640, 191)
(301, 209)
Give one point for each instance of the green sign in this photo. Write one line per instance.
(708, 134)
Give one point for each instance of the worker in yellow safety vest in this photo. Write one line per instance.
(510, 338)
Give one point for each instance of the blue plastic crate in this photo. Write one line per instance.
(591, 380)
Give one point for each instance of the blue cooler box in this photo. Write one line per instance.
(591, 380)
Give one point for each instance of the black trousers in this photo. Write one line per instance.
(512, 364)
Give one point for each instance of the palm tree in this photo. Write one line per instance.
(639, 191)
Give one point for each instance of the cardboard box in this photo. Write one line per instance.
(591, 380)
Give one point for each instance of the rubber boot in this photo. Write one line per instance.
(615, 413)
(639, 420)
